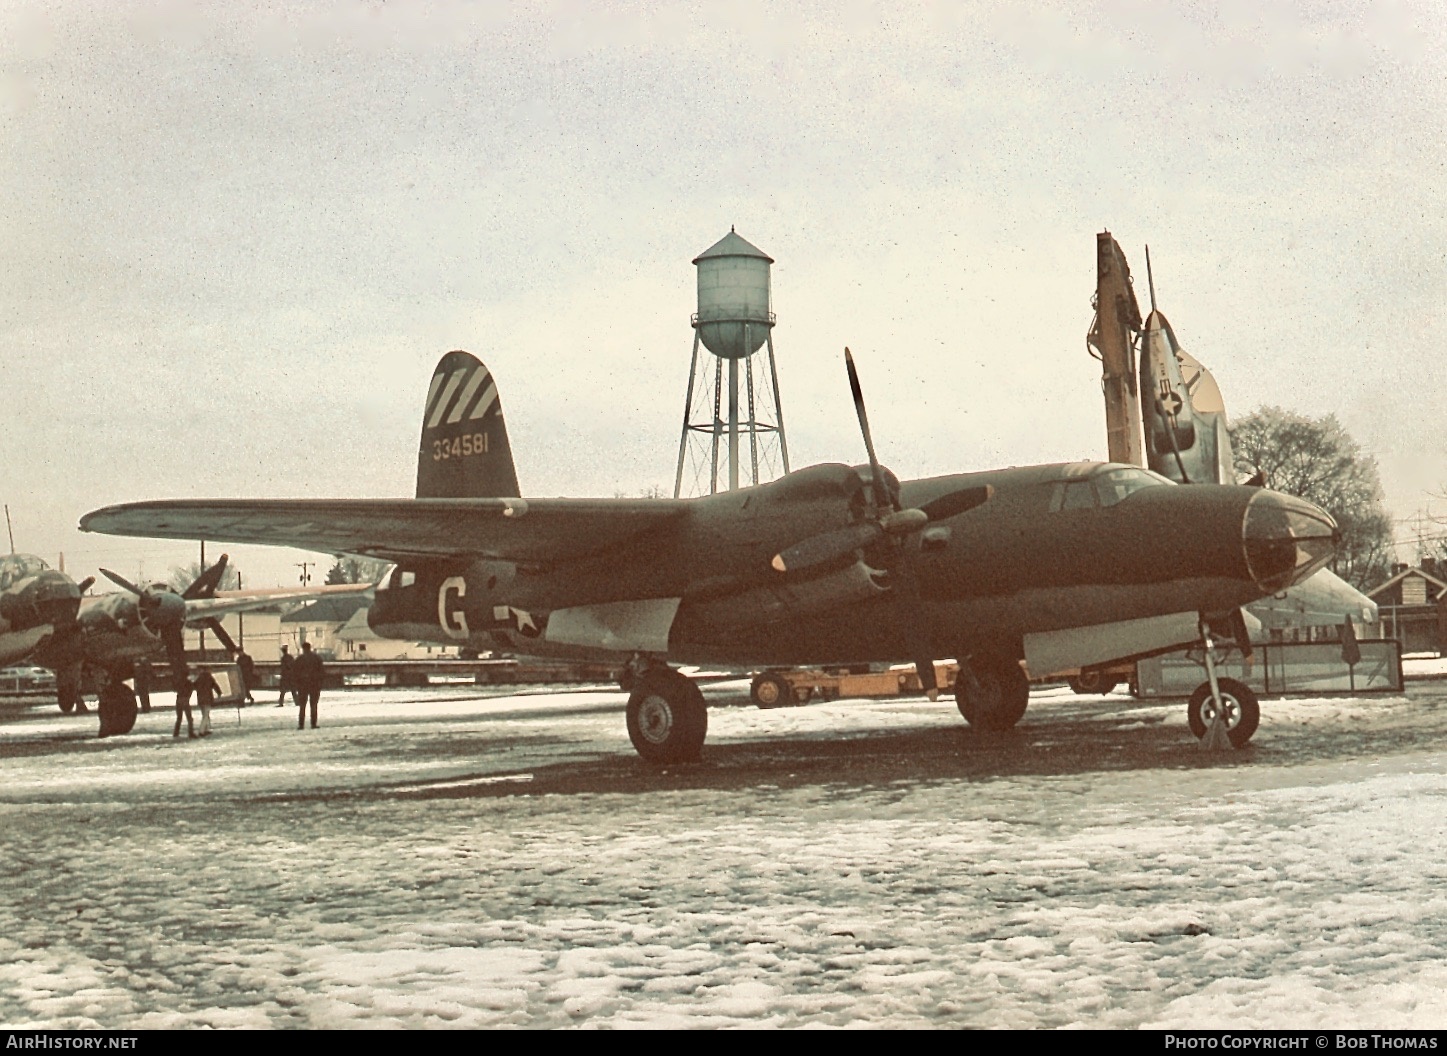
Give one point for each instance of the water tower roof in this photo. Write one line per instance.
(731, 245)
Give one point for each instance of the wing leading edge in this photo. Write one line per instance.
(522, 530)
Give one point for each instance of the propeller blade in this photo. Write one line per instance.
(957, 502)
(876, 478)
(827, 547)
(206, 583)
(214, 626)
(122, 582)
(85, 584)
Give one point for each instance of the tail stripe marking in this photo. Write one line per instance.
(437, 378)
(445, 398)
(469, 390)
(485, 403)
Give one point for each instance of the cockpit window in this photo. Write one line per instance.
(1106, 488)
(1072, 495)
(1114, 484)
(15, 567)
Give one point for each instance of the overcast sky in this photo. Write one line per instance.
(237, 237)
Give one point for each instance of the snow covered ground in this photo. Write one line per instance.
(445, 858)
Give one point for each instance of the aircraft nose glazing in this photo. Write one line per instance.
(1286, 539)
(50, 599)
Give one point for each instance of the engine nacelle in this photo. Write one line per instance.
(787, 598)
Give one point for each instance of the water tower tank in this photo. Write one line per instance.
(733, 316)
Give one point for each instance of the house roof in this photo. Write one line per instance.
(1389, 584)
(357, 629)
(327, 610)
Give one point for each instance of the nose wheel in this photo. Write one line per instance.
(1239, 710)
(667, 718)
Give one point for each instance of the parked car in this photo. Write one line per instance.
(27, 680)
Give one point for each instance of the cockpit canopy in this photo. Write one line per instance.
(1103, 484)
(15, 567)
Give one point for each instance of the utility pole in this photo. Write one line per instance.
(201, 632)
(306, 577)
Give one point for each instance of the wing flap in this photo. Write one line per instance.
(523, 530)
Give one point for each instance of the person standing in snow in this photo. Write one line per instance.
(206, 693)
(247, 667)
(288, 678)
(183, 705)
(308, 674)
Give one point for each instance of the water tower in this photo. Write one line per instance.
(721, 414)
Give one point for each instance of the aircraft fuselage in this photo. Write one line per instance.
(1044, 553)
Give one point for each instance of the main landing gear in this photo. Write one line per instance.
(68, 689)
(117, 707)
(992, 693)
(667, 718)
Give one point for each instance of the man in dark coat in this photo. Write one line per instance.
(288, 677)
(247, 667)
(308, 675)
(183, 705)
(207, 690)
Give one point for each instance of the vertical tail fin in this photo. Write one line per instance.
(465, 452)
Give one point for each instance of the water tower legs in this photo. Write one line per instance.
(723, 410)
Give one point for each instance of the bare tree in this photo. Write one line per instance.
(349, 569)
(1317, 460)
(182, 576)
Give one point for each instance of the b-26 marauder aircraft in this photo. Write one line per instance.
(37, 602)
(44, 618)
(831, 564)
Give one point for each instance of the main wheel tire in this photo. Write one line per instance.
(117, 709)
(1242, 710)
(67, 689)
(1090, 681)
(999, 697)
(667, 718)
(770, 690)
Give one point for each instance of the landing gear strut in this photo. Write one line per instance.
(1222, 705)
(67, 689)
(1239, 709)
(667, 718)
(992, 693)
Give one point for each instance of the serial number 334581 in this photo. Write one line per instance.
(459, 447)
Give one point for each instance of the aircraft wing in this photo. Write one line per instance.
(522, 530)
(226, 602)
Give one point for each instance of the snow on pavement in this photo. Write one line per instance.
(266, 877)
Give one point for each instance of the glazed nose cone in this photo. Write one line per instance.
(50, 598)
(1286, 539)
